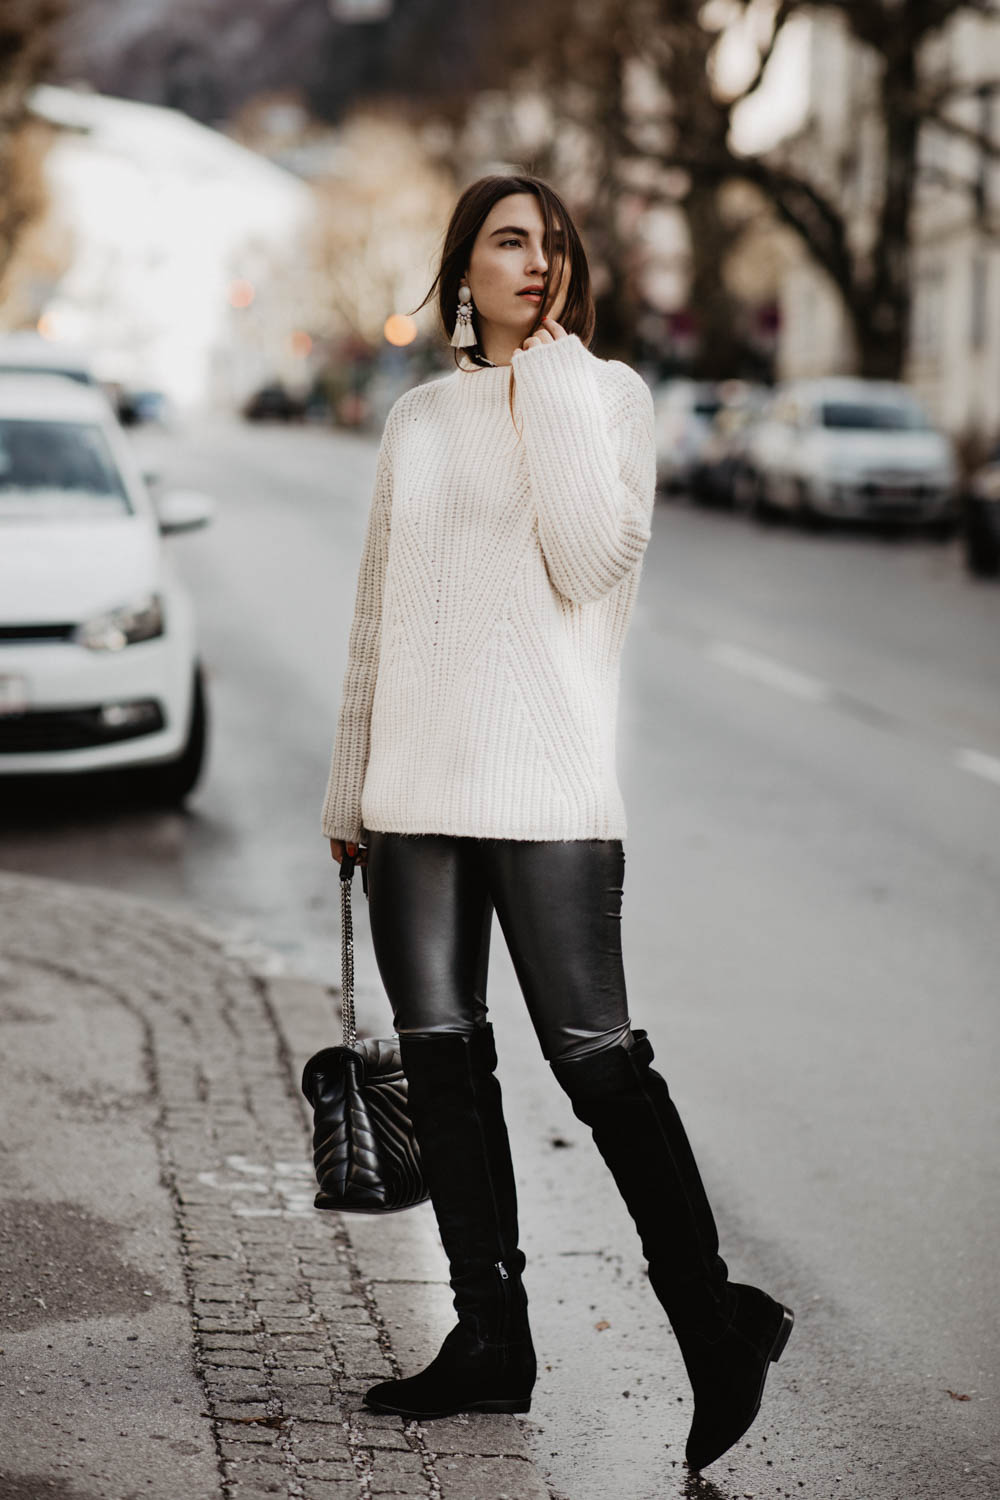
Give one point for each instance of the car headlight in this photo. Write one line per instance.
(123, 627)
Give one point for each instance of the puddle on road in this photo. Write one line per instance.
(60, 1262)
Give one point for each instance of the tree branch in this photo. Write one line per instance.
(786, 9)
(986, 143)
(941, 177)
(928, 101)
(799, 203)
(875, 22)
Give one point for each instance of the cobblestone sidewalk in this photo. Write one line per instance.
(285, 1326)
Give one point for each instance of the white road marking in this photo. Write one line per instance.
(813, 690)
(979, 764)
(774, 673)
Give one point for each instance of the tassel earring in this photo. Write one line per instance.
(464, 334)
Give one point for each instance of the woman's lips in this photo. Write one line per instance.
(534, 297)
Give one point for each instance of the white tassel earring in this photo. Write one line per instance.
(464, 334)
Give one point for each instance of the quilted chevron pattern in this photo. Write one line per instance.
(364, 1152)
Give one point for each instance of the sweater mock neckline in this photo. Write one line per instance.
(489, 382)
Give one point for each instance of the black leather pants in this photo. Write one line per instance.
(431, 899)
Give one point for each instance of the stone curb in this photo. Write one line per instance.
(287, 1327)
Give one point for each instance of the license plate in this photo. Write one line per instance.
(13, 694)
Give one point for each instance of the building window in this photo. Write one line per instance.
(982, 183)
(977, 302)
(927, 312)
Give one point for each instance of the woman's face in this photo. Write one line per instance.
(506, 258)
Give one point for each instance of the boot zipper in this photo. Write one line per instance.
(505, 1288)
(504, 1274)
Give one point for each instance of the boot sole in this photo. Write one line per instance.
(508, 1407)
(787, 1320)
(777, 1349)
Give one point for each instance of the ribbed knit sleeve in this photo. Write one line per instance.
(592, 465)
(342, 804)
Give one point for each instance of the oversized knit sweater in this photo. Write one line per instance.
(497, 580)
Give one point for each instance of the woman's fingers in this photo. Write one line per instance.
(359, 852)
(546, 334)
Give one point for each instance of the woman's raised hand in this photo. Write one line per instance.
(547, 334)
(359, 851)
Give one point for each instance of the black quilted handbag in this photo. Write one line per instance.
(364, 1152)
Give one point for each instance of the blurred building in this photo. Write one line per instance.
(954, 358)
(186, 270)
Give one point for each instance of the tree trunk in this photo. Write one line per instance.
(617, 306)
(882, 310)
(721, 349)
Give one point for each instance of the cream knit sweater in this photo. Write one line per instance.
(496, 585)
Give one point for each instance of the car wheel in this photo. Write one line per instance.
(980, 542)
(807, 516)
(170, 783)
(941, 530)
(740, 488)
(758, 506)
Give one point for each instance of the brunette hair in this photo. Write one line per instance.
(469, 214)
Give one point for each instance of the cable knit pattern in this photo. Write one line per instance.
(496, 586)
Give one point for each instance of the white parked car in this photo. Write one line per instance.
(98, 657)
(851, 449)
(682, 420)
(25, 352)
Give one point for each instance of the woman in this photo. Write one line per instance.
(475, 750)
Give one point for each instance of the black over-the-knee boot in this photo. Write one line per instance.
(728, 1332)
(487, 1361)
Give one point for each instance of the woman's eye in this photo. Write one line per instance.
(510, 242)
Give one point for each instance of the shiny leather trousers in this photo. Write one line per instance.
(431, 899)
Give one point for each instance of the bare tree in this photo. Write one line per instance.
(694, 133)
(578, 53)
(579, 57)
(26, 28)
(379, 225)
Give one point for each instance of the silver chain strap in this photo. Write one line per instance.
(347, 955)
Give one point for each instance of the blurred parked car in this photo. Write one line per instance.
(98, 657)
(850, 449)
(719, 470)
(981, 520)
(135, 406)
(27, 353)
(682, 416)
(274, 402)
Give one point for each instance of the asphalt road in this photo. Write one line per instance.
(810, 757)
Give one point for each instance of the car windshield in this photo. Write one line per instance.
(56, 470)
(882, 416)
(68, 372)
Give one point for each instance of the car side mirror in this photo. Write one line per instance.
(183, 510)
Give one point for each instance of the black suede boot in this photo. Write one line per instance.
(728, 1333)
(487, 1361)
(727, 1373)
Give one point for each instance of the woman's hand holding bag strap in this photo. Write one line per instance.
(364, 1151)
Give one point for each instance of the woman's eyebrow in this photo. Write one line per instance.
(513, 229)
